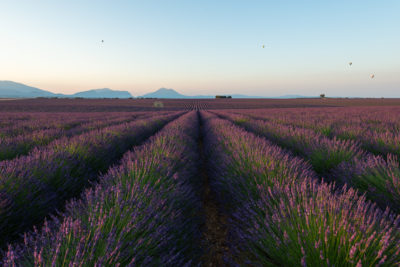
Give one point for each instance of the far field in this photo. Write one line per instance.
(69, 105)
(217, 182)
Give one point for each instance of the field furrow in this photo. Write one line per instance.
(35, 185)
(199, 182)
(335, 160)
(281, 215)
(144, 211)
(11, 147)
(215, 229)
(377, 131)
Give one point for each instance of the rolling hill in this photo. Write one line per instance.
(9, 89)
(18, 90)
(103, 93)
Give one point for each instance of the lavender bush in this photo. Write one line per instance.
(30, 138)
(297, 220)
(376, 129)
(323, 153)
(34, 185)
(143, 212)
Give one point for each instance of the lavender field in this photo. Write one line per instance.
(191, 184)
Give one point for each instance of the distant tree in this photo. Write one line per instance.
(322, 95)
(158, 104)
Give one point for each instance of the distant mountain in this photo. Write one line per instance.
(18, 90)
(171, 93)
(164, 93)
(103, 93)
(9, 89)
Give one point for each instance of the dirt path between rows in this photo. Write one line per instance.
(215, 230)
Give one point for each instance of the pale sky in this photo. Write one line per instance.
(204, 47)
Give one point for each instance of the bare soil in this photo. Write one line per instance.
(215, 230)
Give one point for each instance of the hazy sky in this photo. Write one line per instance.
(204, 47)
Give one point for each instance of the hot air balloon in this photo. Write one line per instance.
(372, 76)
(263, 46)
(350, 63)
(102, 41)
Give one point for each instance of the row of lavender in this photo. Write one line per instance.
(370, 118)
(342, 161)
(40, 133)
(376, 129)
(144, 211)
(22, 144)
(281, 215)
(14, 124)
(35, 185)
